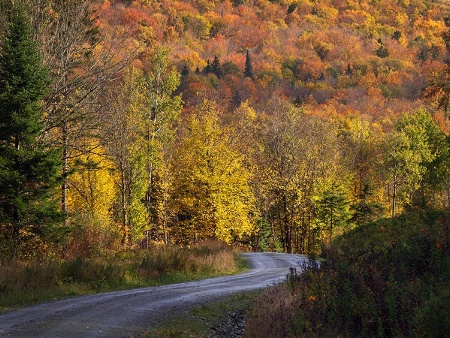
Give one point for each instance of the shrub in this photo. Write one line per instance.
(375, 281)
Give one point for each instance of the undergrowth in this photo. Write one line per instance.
(37, 281)
(385, 279)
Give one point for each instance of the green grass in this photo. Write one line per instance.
(200, 320)
(40, 281)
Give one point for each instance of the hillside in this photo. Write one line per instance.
(371, 58)
(272, 125)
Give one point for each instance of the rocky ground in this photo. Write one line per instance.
(231, 326)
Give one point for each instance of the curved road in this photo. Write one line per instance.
(126, 313)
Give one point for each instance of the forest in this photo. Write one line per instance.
(274, 125)
(147, 141)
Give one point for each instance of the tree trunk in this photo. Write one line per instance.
(65, 166)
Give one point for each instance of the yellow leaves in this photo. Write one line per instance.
(429, 30)
(212, 181)
(147, 34)
(91, 186)
(201, 26)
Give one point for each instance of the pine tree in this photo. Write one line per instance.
(248, 70)
(28, 170)
(382, 50)
(217, 68)
(208, 68)
(185, 71)
(349, 70)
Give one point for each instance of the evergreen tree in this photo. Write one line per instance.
(217, 68)
(298, 102)
(248, 70)
(382, 50)
(349, 70)
(236, 100)
(185, 71)
(333, 210)
(208, 68)
(28, 170)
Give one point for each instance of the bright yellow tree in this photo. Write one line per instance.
(213, 195)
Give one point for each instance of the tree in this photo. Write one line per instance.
(407, 153)
(80, 66)
(217, 68)
(438, 88)
(28, 170)
(299, 153)
(333, 209)
(163, 109)
(212, 192)
(125, 137)
(248, 70)
(363, 209)
(185, 71)
(382, 51)
(208, 68)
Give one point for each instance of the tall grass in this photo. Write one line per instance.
(36, 281)
(390, 278)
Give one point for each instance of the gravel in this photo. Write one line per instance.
(232, 326)
(127, 313)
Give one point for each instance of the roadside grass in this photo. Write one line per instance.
(202, 320)
(54, 279)
(390, 278)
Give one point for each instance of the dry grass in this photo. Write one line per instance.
(36, 281)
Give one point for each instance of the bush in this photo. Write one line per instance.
(376, 280)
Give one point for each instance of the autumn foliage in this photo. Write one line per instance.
(278, 125)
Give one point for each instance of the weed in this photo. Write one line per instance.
(374, 281)
(41, 280)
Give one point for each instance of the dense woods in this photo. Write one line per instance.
(276, 125)
(307, 126)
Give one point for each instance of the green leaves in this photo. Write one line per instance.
(29, 171)
(407, 154)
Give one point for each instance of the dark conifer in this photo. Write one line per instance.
(236, 100)
(185, 71)
(382, 51)
(28, 169)
(217, 68)
(298, 102)
(349, 70)
(208, 68)
(248, 70)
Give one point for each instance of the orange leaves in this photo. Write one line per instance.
(325, 35)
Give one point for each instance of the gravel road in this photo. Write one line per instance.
(127, 313)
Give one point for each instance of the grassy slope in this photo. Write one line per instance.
(390, 278)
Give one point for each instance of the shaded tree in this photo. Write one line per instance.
(333, 209)
(163, 109)
(217, 68)
(124, 136)
(407, 153)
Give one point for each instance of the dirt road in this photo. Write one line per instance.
(126, 313)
